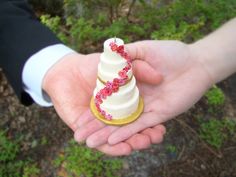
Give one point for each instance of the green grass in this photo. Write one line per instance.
(79, 160)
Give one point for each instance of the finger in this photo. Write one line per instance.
(82, 120)
(145, 73)
(161, 128)
(139, 141)
(138, 50)
(155, 135)
(100, 137)
(145, 121)
(93, 126)
(116, 150)
(86, 117)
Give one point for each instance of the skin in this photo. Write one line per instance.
(172, 77)
(184, 77)
(71, 91)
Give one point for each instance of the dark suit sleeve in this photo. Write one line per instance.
(21, 35)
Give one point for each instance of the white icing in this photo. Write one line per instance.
(110, 75)
(124, 102)
(111, 65)
(123, 110)
(126, 91)
(106, 45)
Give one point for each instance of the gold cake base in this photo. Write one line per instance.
(122, 121)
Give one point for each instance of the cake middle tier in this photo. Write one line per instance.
(117, 98)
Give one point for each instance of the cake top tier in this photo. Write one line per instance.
(107, 47)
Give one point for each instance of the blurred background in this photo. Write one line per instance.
(200, 143)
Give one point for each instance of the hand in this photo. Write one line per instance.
(185, 81)
(70, 84)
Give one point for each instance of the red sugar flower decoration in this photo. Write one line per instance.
(113, 87)
(116, 80)
(120, 50)
(123, 74)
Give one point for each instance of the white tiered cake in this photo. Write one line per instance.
(124, 105)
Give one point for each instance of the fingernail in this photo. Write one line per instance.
(77, 137)
(90, 144)
(163, 130)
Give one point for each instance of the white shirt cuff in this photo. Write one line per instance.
(37, 66)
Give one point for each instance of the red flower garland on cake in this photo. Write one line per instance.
(113, 87)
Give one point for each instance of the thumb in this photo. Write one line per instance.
(139, 50)
(145, 73)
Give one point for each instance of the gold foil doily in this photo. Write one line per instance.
(122, 121)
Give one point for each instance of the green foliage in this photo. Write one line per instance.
(87, 23)
(55, 24)
(91, 9)
(85, 33)
(8, 149)
(171, 148)
(82, 31)
(52, 22)
(182, 20)
(215, 97)
(53, 7)
(44, 141)
(11, 168)
(216, 132)
(170, 31)
(31, 170)
(10, 165)
(81, 161)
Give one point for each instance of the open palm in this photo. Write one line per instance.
(184, 82)
(70, 84)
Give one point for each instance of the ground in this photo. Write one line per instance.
(43, 137)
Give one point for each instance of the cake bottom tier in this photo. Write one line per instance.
(122, 121)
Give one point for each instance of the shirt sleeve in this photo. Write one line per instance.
(21, 36)
(37, 66)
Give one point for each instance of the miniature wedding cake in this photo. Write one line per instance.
(116, 99)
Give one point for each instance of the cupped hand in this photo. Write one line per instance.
(184, 82)
(70, 84)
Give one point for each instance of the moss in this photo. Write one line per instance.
(216, 132)
(79, 160)
(215, 97)
(10, 164)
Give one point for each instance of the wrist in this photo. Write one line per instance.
(217, 61)
(197, 52)
(217, 52)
